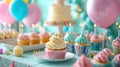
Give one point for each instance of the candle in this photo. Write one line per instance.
(33, 26)
(81, 25)
(70, 28)
(9, 26)
(95, 32)
(21, 28)
(117, 23)
(119, 32)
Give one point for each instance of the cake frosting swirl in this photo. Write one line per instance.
(82, 62)
(56, 42)
(116, 42)
(69, 38)
(101, 58)
(107, 52)
(81, 40)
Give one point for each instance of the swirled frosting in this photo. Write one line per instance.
(23, 37)
(116, 42)
(117, 58)
(82, 62)
(56, 42)
(81, 40)
(34, 35)
(101, 58)
(69, 38)
(95, 38)
(107, 52)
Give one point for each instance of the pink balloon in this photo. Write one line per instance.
(5, 16)
(103, 12)
(33, 16)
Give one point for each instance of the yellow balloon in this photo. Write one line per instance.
(9, 1)
(26, 1)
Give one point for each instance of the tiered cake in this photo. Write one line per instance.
(59, 14)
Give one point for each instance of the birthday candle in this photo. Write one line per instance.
(81, 25)
(70, 27)
(95, 32)
(119, 32)
(33, 26)
(9, 26)
(21, 28)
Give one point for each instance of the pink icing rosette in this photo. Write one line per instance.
(107, 52)
(117, 58)
(101, 58)
(23, 37)
(83, 61)
(116, 42)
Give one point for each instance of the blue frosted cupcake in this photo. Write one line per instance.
(70, 41)
(101, 60)
(95, 44)
(116, 61)
(81, 45)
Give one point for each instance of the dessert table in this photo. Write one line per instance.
(28, 60)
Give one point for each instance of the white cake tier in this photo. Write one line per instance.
(59, 14)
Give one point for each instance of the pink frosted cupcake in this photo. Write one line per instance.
(55, 48)
(116, 61)
(108, 53)
(116, 46)
(23, 40)
(44, 37)
(100, 60)
(34, 38)
(82, 61)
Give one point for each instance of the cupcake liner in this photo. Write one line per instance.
(23, 43)
(81, 50)
(44, 39)
(116, 50)
(70, 48)
(110, 58)
(96, 64)
(115, 64)
(96, 46)
(34, 41)
(55, 54)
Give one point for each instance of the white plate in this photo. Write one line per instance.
(41, 56)
(25, 48)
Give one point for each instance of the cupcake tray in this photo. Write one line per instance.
(11, 43)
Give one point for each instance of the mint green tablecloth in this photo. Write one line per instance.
(28, 59)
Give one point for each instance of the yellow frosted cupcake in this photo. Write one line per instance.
(55, 48)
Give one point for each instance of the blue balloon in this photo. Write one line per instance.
(18, 9)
